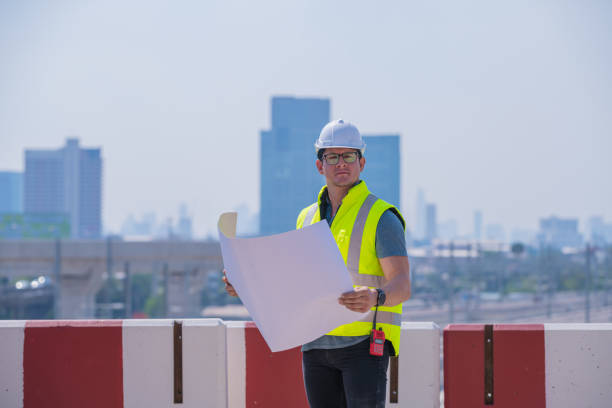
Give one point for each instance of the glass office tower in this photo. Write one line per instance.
(289, 178)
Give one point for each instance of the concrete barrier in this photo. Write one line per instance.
(258, 377)
(110, 363)
(578, 365)
(419, 366)
(535, 365)
(11, 363)
(114, 363)
(148, 367)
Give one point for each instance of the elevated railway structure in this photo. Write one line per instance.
(78, 269)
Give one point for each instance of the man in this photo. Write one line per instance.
(339, 368)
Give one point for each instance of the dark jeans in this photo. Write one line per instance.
(346, 377)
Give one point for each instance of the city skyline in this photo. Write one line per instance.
(511, 122)
(435, 228)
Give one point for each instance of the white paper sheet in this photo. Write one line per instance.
(289, 283)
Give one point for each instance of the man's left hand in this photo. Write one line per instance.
(361, 299)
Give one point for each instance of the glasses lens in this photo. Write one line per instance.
(331, 158)
(349, 157)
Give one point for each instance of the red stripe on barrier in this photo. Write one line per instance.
(518, 366)
(73, 364)
(519, 355)
(463, 366)
(272, 379)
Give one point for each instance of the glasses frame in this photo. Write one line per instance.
(344, 158)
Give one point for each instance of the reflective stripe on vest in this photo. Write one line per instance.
(383, 317)
(354, 249)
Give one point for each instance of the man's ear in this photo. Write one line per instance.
(319, 165)
(361, 163)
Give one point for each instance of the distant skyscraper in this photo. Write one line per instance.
(447, 229)
(143, 227)
(559, 232)
(289, 178)
(421, 215)
(183, 227)
(600, 233)
(478, 225)
(495, 232)
(431, 230)
(382, 169)
(11, 192)
(66, 181)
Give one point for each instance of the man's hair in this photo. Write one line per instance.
(321, 152)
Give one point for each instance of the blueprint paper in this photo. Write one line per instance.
(289, 282)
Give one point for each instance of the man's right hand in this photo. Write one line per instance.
(228, 286)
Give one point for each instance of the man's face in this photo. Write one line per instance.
(341, 174)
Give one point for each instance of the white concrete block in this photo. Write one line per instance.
(419, 366)
(148, 367)
(11, 363)
(236, 364)
(578, 365)
(148, 363)
(204, 363)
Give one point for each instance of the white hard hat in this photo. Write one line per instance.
(339, 133)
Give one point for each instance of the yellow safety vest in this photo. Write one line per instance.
(354, 229)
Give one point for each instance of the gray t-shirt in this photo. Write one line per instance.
(390, 241)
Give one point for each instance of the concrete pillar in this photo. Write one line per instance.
(183, 292)
(78, 299)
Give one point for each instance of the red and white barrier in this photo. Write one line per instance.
(113, 364)
(110, 363)
(534, 365)
(258, 377)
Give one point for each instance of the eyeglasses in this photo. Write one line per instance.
(332, 158)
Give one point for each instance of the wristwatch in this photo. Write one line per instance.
(381, 297)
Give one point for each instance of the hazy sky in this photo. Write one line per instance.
(501, 107)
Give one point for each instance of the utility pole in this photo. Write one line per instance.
(587, 292)
(451, 284)
(109, 275)
(127, 289)
(57, 276)
(469, 300)
(166, 283)
(549, 274)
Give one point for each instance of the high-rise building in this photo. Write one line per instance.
(66, 181)
(495, 232)
(289, 178)
(11, 192)
(600, 232)
(431, 227)
(421, 215)
(184, 228)
(478, 225)
(559, 232)
(382, 169)
(448, 229)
